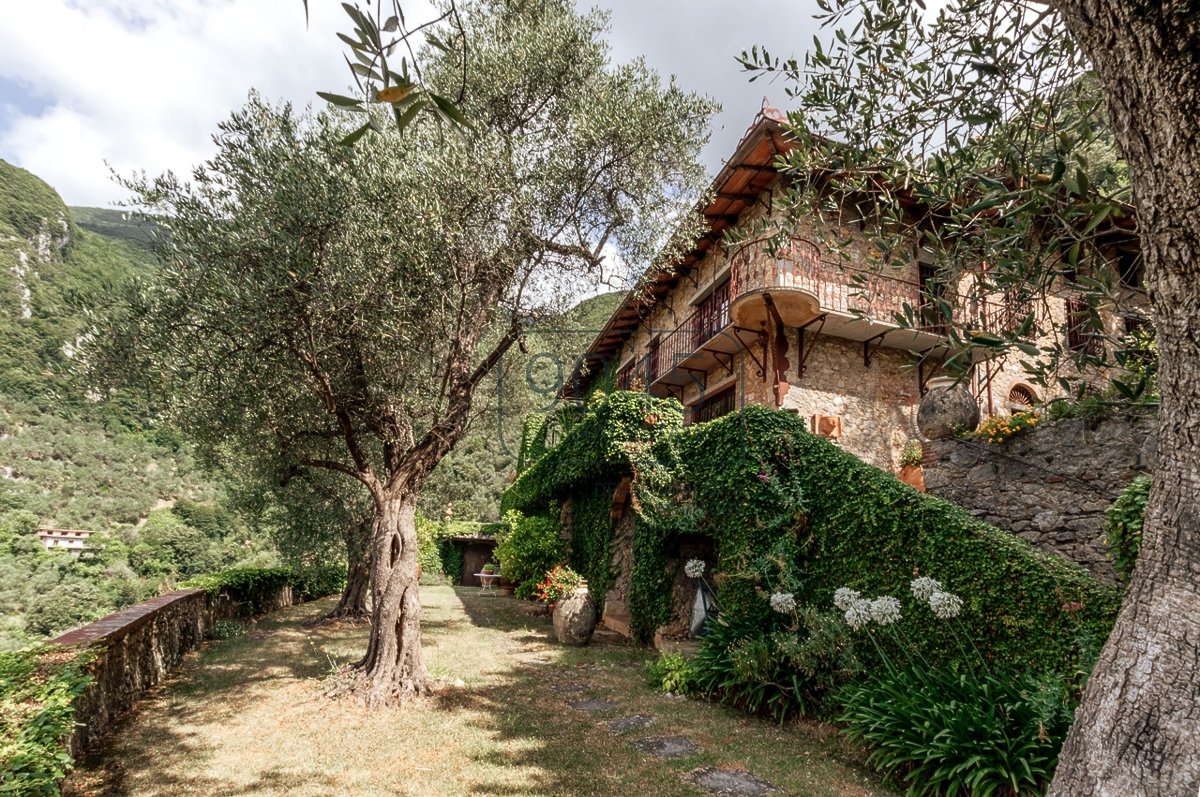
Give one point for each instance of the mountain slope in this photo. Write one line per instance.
(67, 460)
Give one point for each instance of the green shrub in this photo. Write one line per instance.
(528, 550)
(38, 689)
(937, 731)
(227, 629)
(672, 673)
(761, 665)
(1123, 525)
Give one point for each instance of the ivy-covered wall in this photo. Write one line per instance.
(780, 503)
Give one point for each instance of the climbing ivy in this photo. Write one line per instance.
(765, 490)
(596, 448)
(1123, 525)
(592, 536)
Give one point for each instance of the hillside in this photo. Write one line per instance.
(67, 460)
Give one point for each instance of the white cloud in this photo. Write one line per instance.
(146, 89)
(143, 86)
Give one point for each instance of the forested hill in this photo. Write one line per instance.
(469, 481)
(69, 461)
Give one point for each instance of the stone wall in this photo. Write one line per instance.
(1050, 485)
(137, 647)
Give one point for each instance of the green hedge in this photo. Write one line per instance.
(773, 496)
(38, 688)
(255, 587)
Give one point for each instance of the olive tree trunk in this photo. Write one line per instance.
(353, 604)
(1137, 731)
(393, 668)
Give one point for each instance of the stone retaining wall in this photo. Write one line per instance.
(1050, 485)
(137, 647)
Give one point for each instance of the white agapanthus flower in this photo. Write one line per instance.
(945, 604)
(858, 613)
(885, 610)
(844, 597)
(924, 587)
(694, 568)
(783, 602)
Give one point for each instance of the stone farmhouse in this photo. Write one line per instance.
(733, 325)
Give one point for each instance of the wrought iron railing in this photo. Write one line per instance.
(836, 287)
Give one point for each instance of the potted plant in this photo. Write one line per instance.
(912, 456)
(490, 569)
(571, 605)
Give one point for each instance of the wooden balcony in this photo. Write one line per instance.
(807, 293)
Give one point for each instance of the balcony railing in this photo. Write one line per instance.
(837, 288)
(686, 339)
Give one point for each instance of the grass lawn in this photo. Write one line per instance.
(247, 716)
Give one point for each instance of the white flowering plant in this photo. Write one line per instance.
(694, 568)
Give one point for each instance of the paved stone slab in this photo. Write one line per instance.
(567, 688)
(592, 705)
(626, 723)
(535, 661)
(730, 781)
(667, 746)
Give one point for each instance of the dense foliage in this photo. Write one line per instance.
(38, 687)
(939, 731)
(527, 550)
(1123, 525)
(761, 664)
(809, 518)
(794, 519)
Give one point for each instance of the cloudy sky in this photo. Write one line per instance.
(86, 85)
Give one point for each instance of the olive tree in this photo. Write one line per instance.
(987, 118)
(340, 306)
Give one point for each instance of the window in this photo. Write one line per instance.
(1083, 335)
(1129, 266)
(712, 315)
(1021, 398)
(652, 372)
(625, 377)
(715, 406)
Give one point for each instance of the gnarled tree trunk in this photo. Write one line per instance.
(393, 668)
(1137, 731)
(353, 604)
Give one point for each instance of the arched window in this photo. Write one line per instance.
(1021, 398)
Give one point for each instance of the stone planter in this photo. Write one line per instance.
(946, 410)
(913, 476)
(506, 586)
(575, 617)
